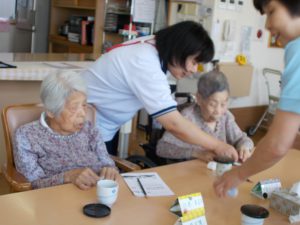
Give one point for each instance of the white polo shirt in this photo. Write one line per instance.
(125, 80)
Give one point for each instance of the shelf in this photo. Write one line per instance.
(75, 4)
(118, 12)
(75, 7)
(62, 10)
(72, 47)
(115, 38)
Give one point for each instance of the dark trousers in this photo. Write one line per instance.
(112, 145)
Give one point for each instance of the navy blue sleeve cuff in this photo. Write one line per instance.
(164, 111)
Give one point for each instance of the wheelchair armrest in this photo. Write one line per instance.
(124, 164)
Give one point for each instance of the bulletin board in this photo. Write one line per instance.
(239, 78)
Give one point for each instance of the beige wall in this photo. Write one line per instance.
(16, 92)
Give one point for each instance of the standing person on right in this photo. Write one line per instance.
(283, 21)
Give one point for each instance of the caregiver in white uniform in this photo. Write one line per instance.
(132, 76)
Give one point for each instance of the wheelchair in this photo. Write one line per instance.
(154, 132)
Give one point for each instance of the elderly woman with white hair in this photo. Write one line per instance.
(211, 114)
(62, 147)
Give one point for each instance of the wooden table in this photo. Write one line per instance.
(63, 204)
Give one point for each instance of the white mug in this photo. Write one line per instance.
(107, 192)
(247, 220)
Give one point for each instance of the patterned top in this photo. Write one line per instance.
(43, 156)
(226, 130)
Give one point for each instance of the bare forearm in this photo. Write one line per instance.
(264, 157)
(186, 131)
(274, 145)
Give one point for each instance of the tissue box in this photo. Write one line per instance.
(285, 202)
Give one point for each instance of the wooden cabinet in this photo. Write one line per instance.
(76, 3)
(62, 10)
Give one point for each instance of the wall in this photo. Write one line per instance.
(260, 55)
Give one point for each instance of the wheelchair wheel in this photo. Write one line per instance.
(142, 161)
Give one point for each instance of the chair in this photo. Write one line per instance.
(16, 115)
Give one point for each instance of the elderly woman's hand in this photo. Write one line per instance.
(109, 173)
(244, 154)
(84, 178)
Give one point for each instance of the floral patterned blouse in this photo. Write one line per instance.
(43, 156)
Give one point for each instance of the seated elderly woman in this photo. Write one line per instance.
(210, 113)
(62, 147)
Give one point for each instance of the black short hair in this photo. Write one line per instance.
(293, 6)
(179, 41)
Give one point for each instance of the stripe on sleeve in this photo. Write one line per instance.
(164, 111)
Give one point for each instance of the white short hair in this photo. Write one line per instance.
(58, 86)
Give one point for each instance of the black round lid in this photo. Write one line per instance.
(255, 211)
(223, 159)
(96, 210)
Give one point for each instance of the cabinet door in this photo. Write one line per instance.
(87, 3)
(66, 3)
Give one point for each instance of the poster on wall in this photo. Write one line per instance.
(144, 11)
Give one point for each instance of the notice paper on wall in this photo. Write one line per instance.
(147, 184)
(144, 11)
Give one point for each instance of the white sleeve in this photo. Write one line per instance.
(149, 83)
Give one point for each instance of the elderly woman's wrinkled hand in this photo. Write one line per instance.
(109, 173)
(244, 154)
(84, 178)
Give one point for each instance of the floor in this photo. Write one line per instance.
(136, 138)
